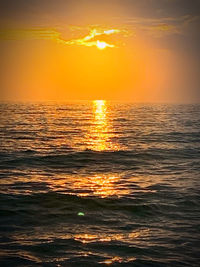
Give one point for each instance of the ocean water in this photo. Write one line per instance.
(99, 184)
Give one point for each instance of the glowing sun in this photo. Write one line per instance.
(101, 45)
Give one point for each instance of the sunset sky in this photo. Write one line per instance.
(123, 50)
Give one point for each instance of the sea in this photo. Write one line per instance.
(99, 183)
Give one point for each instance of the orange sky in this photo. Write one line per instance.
(144, 59)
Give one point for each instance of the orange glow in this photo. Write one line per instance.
(89, 40)
(96, 66)
(100, 132)
(123, 237)
(100, 185)
(112, 260)
(100, 50)
(118, 259)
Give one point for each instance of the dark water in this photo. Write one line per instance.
(97, 183)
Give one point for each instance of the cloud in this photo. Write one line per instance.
(159, 27)
(163, 29)
(93, 38)
(29, 34)
(97, 35)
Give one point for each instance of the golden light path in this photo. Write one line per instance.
(132, 237)
(100, 132)
(98, 139)
(98, 136)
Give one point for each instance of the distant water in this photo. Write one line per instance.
(99, 183)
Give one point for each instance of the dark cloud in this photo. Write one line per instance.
(17, 8)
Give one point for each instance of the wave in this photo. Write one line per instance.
(53, 203)
(89, 157)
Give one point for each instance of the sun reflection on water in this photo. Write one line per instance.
(101, 185)
(100, 132)
(107, 237)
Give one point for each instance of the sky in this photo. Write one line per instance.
(121, 50)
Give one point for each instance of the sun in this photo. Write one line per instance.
(101, 45)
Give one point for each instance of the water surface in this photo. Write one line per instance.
(99, 183)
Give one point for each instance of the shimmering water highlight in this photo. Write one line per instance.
(99, 183)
